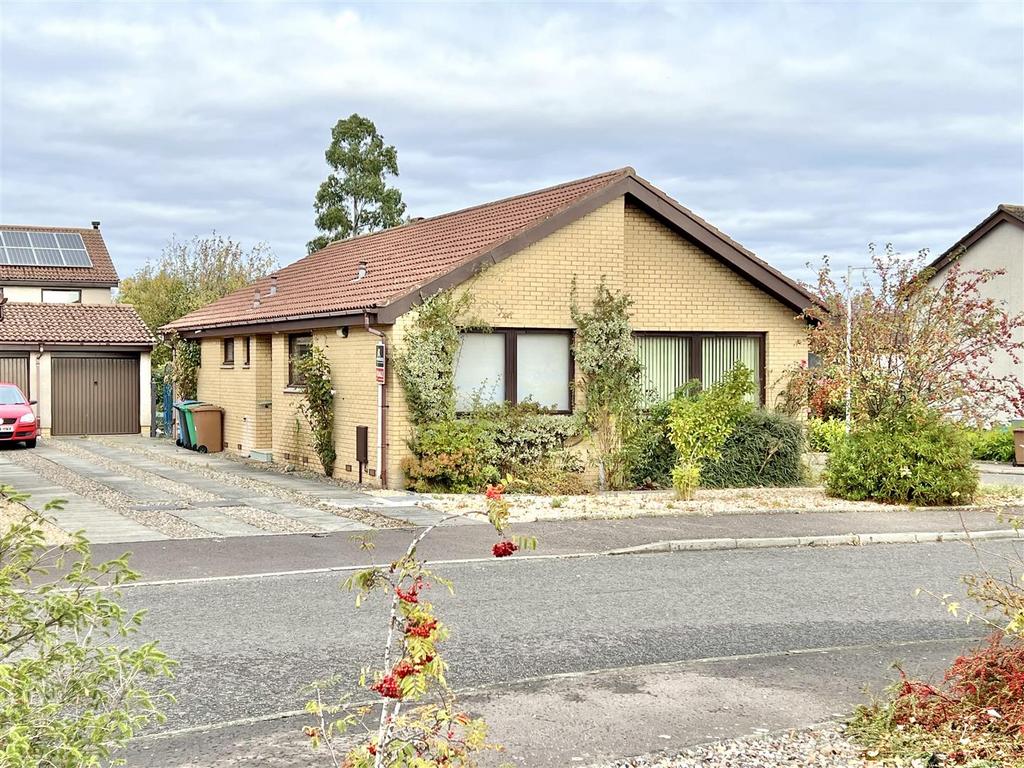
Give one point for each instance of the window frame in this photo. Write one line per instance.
(511, 363)
(228, 351)
(247, 351)
(44, 291)
(696, 362)
(293, 381)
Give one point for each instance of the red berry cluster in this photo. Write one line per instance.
(403, 669)
(371, 748)
(504, 548)
(411, 595)
(387, 687)
(494, 492)
(421, 630)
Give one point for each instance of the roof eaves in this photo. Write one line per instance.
(999, 216)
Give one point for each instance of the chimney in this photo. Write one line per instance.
(95, 225)
(273, 285)
(361, 272)
(256, 299)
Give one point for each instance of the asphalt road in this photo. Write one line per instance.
(247, 646)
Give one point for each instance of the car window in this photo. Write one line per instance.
(11, 396)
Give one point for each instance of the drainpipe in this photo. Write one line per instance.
(382, 405)
(39, 388)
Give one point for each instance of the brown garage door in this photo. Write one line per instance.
(14, 370)
(95, 395)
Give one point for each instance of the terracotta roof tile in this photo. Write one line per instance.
(398, 260)
(101, 273)
(24, 323)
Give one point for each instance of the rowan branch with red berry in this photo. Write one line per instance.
(433, 735)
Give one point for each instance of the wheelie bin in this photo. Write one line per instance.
(208, 421)
(181, 408)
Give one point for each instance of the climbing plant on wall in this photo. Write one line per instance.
(185, 371)
(609, 378)
(425, 360)
(317, 405)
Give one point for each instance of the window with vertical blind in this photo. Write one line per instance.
(669, 360)
(517, 365)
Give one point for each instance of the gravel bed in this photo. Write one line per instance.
(269, 521)
(818, 748)
(174, 490)
(12, 513)
(358, 514)
(165, 523)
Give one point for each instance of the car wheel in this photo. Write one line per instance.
(30, 443)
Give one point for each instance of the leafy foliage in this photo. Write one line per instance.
(185, 371)
(425, 361)
(992, 444)
(649, 450)
(453, 456)
(822, 434)
(912, 456)
(463, 455)
(317, 405)
(700, 422)
(609, 378)
(428, 735)
(915, 342)
(976, 713)
(355, 198)
(73, 688)
(764, 449)
(189, 275)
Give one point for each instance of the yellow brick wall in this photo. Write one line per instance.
(239, 390)
(355, 403)
(677, 286)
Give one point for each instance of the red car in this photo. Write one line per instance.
(17, 419)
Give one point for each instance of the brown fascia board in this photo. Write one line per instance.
(993, 220)
(310, 322)
(664, 208)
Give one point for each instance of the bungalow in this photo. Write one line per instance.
(63, 339)
(701, 302)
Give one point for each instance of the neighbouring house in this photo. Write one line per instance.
(997, 243)
(702, 302)
(63, 339)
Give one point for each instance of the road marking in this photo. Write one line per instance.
(491, 687)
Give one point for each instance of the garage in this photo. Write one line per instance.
(14, 370)
(95, 394)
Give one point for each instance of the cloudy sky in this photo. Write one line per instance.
(799, 129)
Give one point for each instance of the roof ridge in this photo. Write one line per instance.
(626, 170)
(41, 228)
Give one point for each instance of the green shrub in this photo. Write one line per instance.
(912, 457)
(822, 434)
(700, 422)
(764, 449)
(524, 434)
(559, 474)
(991, 444)
(650, 454)
(456, 456)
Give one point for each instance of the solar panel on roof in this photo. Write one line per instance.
(45, 249)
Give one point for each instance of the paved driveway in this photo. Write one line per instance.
(139, 489)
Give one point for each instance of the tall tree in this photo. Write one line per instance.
(913, 339)
(355, 198)
(188, 275)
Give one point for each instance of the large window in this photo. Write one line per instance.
(671, 359)
(299, 345)
(516, 365)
